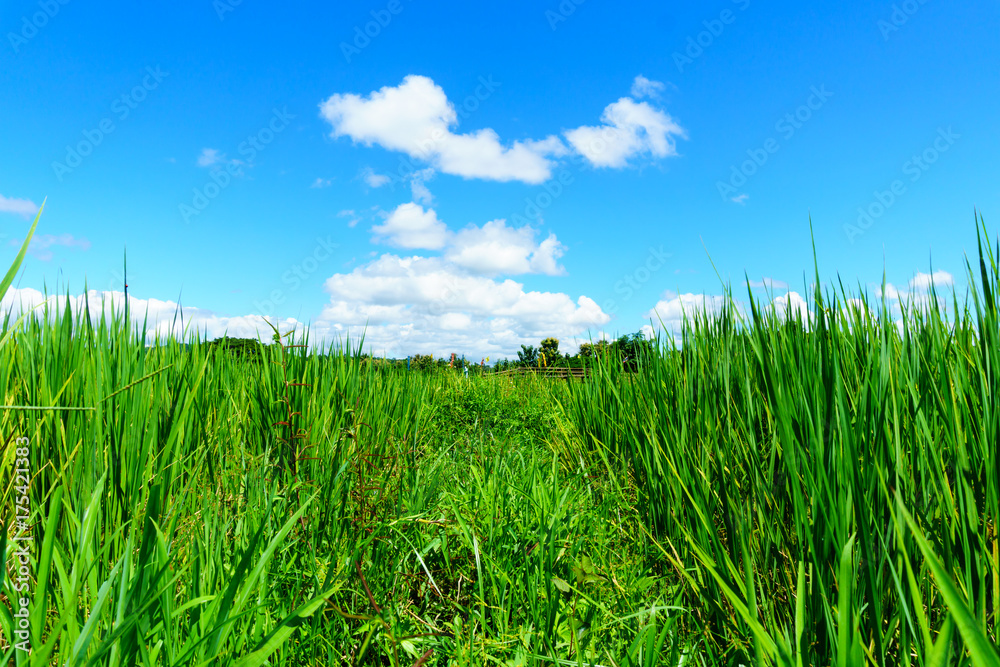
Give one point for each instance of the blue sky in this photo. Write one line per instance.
(471, 178)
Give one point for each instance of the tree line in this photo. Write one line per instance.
(628, 349)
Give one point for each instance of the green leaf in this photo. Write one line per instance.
(939, 653)
(283, 631)
(845, 621)
(978, 644)
(12, 271)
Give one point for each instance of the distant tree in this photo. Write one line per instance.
(549, 352)
(241, 348)
(632, 350)
(528, 355)
(594, 350)
(422, 362)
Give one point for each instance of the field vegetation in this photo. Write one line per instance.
(771, 491)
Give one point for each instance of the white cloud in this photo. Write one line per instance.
(855, 308)
(416, 118)
(428, 305)
(673, 308)
(373, 179)
(410, 226)
(349, 213)
(671, 311)
(208, 157)
(792, 307)
(630, 129)
(320, 183)
(740, 199)
(924, 281)
(643, 87)
(918, 296)
(918, 292)
(490, 250)
(41, 243)
(22, 207)
(418, 186)
(889, 292)
(919, 285)
(166, 318)
(495, 249)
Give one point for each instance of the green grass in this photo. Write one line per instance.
(827, 490)
(769, 492)
(307, 509)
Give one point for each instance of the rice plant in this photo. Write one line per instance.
(827, 488)
(773, 490)
(294, 505)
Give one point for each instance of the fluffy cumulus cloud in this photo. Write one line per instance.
(410, 226)
(917, 295)
(496, 249)
(630, 129)
(918, 289)
(458, 301)
(491, 250)
(429, 305)
(22, 207)
(416, 118)
(41, 244)
(672, 310)
(791, 307)
(670, 313)
(938, 279)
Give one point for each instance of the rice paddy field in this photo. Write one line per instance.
(767, 492)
